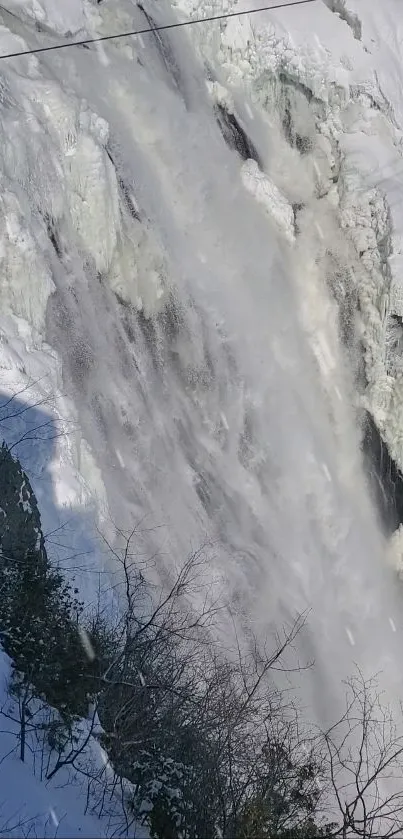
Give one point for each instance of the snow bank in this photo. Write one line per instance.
(28, 805)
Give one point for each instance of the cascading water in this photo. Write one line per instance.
(185, 297)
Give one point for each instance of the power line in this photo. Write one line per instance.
(166, 26)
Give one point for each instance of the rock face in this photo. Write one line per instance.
(20, 523)
(385, 478)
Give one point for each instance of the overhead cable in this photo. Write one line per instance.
(158, 28)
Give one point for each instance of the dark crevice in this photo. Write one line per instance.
(357, 92)
(128, 200)
(165, 50)
(288, 81)
(287, 123)
(301, 142)
(352, 20)
(122, 301)
(53, 235)
(397, 320)
(386, 480)
(235, 136)
(394, 342)
(347, 325)
(296, 208)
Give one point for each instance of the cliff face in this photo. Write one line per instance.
(20, 521)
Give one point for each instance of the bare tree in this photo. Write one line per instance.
(364, 764)
(200, 740)
(169, 694)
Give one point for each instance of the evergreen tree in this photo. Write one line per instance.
(39, 612)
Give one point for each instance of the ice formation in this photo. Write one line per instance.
(200, 251)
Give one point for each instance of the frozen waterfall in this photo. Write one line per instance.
(171, 262)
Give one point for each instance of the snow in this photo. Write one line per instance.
(267, 194)
(234, 419)
(30, 806)
(64, 18)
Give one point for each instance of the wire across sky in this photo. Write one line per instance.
(157, 28)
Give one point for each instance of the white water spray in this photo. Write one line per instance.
(199, 344)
